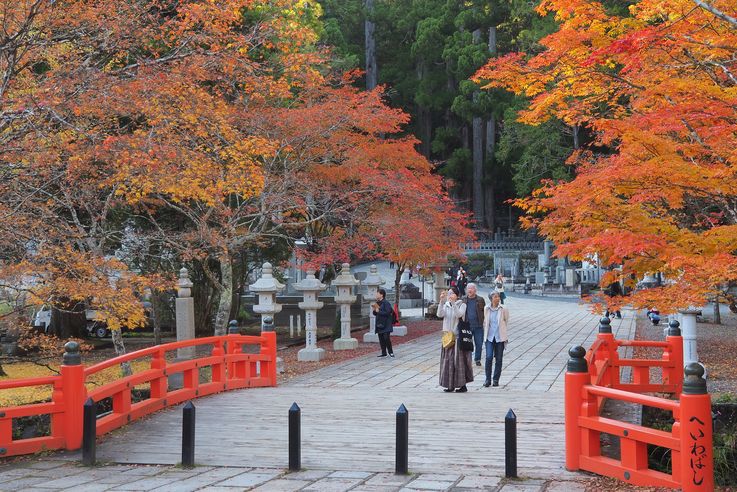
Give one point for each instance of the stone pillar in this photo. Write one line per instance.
(266, 288)
(344, 283)
(688, 331)
(372, 282)
(310, 286)
(439, 280)
(185, 314)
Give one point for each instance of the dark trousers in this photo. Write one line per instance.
(385, 342)
(494, 350)
(478, 342)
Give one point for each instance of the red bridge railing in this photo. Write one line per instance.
(595, 376)
(229, 368)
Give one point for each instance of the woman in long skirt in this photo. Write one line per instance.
(456, 369)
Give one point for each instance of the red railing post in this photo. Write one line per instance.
(697, 451)
(605, 334)
(218, 369)
(268, 347)
(73, 395)
(160, 385)
(674, 374)
(577, 376)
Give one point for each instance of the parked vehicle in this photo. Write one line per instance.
(94, 327)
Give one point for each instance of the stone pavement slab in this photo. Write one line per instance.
(231, 479)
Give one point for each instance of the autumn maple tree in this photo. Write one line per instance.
(656, 91)
(188, 132)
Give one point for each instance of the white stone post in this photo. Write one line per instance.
(688, 331)
(439, 280)
(343, 298)
(266, 288)
(185, 314)
(310, 286)
(372, 282)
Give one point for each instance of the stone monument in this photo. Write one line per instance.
(343, 298)
(184, 315)
(310, 286)
(372, 282)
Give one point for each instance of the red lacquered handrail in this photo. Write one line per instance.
(229, 368)
(594, 377)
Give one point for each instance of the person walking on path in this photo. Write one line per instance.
(614, 290)
(455, 364)
(496, 318)
(384, 316)
(499, 287)
(475, 316)
(462, 282)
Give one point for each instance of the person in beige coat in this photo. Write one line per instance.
(496, 319)
(455, 364)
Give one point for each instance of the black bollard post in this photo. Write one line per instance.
(510, 445)
(295, 438)
(188, 423)
(89, 432)
(402, 459)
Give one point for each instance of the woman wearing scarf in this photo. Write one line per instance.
(496, 318)
(455, 364)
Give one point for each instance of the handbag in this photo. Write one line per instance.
(449, 339)
(465, 335)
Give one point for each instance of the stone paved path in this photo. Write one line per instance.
(56, 475)
(348, 413)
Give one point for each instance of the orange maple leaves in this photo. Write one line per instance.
(657, 91)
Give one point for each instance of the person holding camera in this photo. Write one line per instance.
(456, 369)
(384, 320)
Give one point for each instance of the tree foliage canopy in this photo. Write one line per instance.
(656, 85)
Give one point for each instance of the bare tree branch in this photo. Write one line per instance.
(717, 12)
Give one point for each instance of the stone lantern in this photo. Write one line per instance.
(344, 283)
(310, 287)
(266, 288)
(372, 282)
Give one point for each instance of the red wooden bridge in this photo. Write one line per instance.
(221, 365)
(594, 377)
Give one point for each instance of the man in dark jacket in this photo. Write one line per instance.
(475, 317)
(384, 320)
(614, 290)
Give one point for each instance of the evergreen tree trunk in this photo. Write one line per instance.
(226, 295)
(576, 143)
(490, 205)
(478, 156)
(372, 74)
(424, 118)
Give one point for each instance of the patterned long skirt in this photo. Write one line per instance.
(456, 368)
